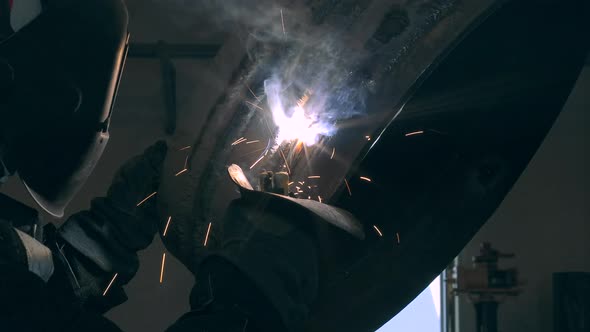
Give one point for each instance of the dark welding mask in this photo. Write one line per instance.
(59, 78)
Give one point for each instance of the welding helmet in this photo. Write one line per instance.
(59, 76)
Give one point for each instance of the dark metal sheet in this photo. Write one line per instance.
(477, 84)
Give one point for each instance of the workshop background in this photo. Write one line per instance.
(544, 220)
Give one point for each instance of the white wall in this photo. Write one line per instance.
(544, 220)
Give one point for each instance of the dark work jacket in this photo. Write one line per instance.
(224, 298)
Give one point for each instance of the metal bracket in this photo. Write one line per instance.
(165, 53)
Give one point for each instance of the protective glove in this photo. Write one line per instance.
(266, 270)
(265, 274)
(104, 241)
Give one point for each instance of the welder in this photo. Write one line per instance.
(60, 66)
(59, 73)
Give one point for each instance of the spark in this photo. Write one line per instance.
(309, 187)
(415, 133)
(320, 198)
(303, 100)
(313, 177)
(378, 230)
(397, 235)
(185, 148)
(256, 162)
(145, 199)
(162, 268)
(252, 92)
(251, 142)
(348, 187)
(368, 137)
(251, 152)
(365, 178)
(254, 105)
(167, 225)
(110, 284)
(183, 171)
(301, 182)
(296, 187)
(290, 183)
(333, 152)
(207, 235)
(308, 197)
(186, 161)
(283, 22)
(286, 163)
(238, 141)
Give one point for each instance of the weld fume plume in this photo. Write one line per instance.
(298, 55)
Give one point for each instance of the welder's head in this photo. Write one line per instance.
(58, 78)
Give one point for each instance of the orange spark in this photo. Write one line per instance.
(298, 147)
(368, 137)
(256, 162)
(110, 284)
(145, 199)
(238, 141)
(320, 198)
(254, 105)
(313, 177)
(207, 235)
(252, 92)
(365, 178)
(397, 235)
(348, 187)
(301, 103)
(290, 183)
(286, 163)
(162, 268)
(415, 133)
(333, 152)
(183, 171)
(167, 224)
(378, 230)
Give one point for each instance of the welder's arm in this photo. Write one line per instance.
(264, 276)
(95, 245)
(33, 296)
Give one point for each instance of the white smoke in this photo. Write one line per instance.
(301, 58)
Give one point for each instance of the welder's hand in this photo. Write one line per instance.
(135, 181)
(104, 240)
(280, 257)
